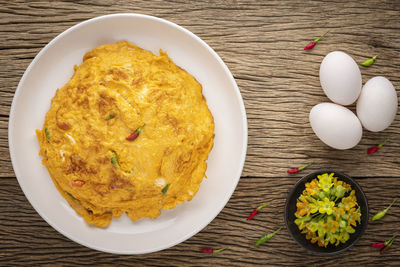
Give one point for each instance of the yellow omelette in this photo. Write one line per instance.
(130, 132)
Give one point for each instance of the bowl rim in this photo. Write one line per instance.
(302, 181)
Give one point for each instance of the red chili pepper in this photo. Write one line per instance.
(135, 134)
(384, 245)
(372, 150)
(210, 250)
(292, 171)
(310, 45)
(383, 250)
(296, 170)
(256, 210)
(313, 43)
(78, 183)
(376, 148)
(377, 245)
(132, 136)
(63, 125)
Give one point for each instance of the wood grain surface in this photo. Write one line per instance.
(262, 44)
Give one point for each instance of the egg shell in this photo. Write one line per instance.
(340, 78)
(335, 125)
(377, 105)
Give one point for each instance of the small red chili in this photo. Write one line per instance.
(372, 150)
(63, 125)
(383, 250)
(256, 210)
(210, 250)
(313, 43)
(377, 245)
(384, 245)
(296, 170)
(292, 171)
(78, 183)
(135, 134)
(375, 149)
(310, 45)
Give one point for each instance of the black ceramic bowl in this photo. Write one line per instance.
(290, 209)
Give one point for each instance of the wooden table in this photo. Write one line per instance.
(262, 44)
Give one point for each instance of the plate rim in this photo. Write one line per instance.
(11, 130)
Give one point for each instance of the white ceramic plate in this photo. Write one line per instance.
(53, 67)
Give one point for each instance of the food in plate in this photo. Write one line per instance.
(327, 211)
(129, 133)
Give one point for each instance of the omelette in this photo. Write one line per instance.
(129, 133)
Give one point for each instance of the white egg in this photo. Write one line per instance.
(340, 78)
(335, 125)
(377, 105)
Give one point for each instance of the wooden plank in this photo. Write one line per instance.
(262, 44)
(42, 243)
